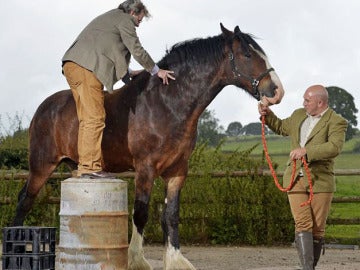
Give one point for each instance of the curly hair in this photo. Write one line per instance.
(134, 5)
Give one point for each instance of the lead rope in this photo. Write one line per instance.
(273, 173)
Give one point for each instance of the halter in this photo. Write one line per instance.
(254, 82)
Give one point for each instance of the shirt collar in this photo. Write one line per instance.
(318, 115)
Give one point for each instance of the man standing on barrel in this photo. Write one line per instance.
(99, 57)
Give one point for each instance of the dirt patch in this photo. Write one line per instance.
(254, 258)
(259, 258)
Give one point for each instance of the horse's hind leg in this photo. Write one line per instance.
(29, 192)
(21, 210)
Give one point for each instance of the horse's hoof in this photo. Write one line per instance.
(174, 260)
(138, 262)
(139, 265)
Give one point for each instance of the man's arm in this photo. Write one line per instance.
(333, 144)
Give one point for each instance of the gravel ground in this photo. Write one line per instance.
(254, 258)
(259, 258)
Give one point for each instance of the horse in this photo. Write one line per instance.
(151, 128)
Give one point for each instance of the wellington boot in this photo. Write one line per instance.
(304, 246)
(318, 245)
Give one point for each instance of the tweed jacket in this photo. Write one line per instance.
(324, 143)
(106, 45)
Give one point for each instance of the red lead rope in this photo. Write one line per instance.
(273, 173)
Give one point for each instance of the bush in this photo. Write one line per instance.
(225, 210)
(42, 213)
(13, 144)
(222, 210)
(356, 148)
(13, 158)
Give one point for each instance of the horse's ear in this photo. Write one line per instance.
(225, 31)
(237, 30)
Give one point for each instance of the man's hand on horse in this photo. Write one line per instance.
(165, 75)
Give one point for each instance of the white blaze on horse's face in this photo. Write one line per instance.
(274, 77)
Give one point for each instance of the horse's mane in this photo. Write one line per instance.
(201, 50)
(194, 51)
(187, 54)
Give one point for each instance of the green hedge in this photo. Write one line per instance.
(14, 150)
(226, 210)
(42, 214)
(14, 158)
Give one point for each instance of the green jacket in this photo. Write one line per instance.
(106, 45)
(325, 142)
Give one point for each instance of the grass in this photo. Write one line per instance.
(347, 160)
(343, 234)
(279, 148)
(347, 186)
(345, 210)
(277, 145)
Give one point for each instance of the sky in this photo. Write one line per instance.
(307, 42)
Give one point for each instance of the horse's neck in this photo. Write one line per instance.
(192, 95)
(201, 85)
(185, 98)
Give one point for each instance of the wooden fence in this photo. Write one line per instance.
(131, 174)
(338, 172)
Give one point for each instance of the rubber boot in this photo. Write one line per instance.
(305, 249)
(318, 244)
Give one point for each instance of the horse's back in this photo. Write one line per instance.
(55, 103)
(53, 129)
(58, 110)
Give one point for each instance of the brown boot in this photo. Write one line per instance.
(305, 249)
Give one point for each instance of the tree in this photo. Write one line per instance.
(252, 129)
(234, 129)
(343, 103)
(208, 129)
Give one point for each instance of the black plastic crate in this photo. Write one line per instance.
(30, 248)
(28, 262)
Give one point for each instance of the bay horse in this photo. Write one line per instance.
(151, 128)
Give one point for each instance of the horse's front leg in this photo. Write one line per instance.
(173, 259)
(136, 259)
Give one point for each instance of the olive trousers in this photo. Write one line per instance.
(88, 94)
(309, 218)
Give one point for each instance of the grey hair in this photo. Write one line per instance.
(134, 5)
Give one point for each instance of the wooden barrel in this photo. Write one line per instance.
(93, 224)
